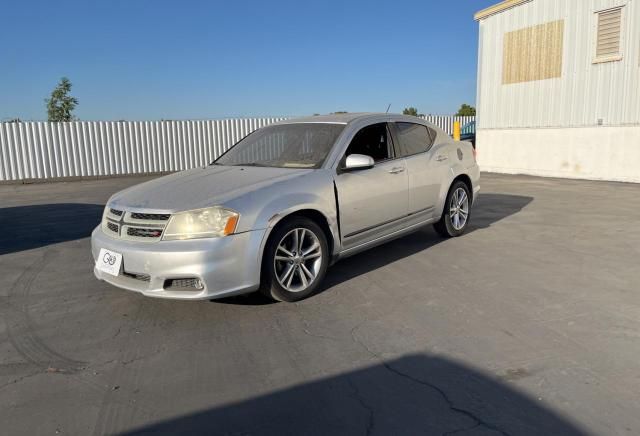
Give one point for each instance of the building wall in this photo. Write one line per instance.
(583, 124)
(585, 93)
(594, 153)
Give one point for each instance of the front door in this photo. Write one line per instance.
(372, 202)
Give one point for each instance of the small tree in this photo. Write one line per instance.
(410, 111)
(466, 111)
(61, 104)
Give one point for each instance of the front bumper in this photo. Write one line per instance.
(226, 266)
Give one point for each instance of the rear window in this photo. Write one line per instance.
(414, 138)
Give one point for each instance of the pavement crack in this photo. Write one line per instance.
(478, 421)
(371, 414)
(142, 357)
(308, 332)
(460, 430)
(19, 379)
(362, 344)
(316, 335)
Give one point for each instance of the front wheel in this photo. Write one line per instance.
(295, 260)
(457, 211)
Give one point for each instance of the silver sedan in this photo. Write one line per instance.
(283, 204)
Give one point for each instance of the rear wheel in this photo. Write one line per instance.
(457, 211)
(295, 260)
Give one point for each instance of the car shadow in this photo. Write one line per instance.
(488, 210)
(252, 299)
(416, 394)
(35, 226)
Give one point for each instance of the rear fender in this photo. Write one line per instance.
(461, 155)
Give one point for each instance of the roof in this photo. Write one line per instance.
(331, 118)
(497, 8)
(365, 116)
(343, 118)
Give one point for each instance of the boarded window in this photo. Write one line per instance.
(608, 44)
(533, 53)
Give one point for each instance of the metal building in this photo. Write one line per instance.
(559, 88)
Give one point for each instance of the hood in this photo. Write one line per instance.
(200, 187)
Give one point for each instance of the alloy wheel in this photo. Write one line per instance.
(298, 259)
(459, 209)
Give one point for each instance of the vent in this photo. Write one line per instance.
(140, 277)
(609, 30)
(187, 284)
(115, 212)
(144, 233)
(150, 216)
(113, 227)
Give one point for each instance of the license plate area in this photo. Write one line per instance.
(109, 261)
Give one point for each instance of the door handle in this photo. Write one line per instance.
(396, 170)
(441, 158)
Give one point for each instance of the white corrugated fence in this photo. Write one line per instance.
(445, 122)
(43, 150)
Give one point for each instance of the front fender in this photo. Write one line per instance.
(320, 199)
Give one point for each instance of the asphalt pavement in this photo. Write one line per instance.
(528, 324)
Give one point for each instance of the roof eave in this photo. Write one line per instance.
(497, 8)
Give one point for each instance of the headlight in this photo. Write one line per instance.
(211, 222)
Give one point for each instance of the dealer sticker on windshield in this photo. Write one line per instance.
(109, 261)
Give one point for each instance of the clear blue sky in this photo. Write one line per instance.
(143, 59)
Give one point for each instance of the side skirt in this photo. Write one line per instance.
(383, 239)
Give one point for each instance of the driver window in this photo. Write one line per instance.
(372, 141)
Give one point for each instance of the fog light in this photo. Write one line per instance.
(198, 285)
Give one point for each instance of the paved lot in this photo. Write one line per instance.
(529, 324)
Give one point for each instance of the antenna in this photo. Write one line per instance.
(388, 107)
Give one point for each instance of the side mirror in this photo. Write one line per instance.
(358, 162)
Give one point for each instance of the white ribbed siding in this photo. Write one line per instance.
(586, 92)
(42, 150)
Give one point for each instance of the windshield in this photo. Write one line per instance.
(303, 145)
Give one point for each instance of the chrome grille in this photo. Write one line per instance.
(150, 216)
(144, 233)
(135, 226)
(113, 227)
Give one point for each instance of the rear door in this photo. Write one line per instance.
(427, 165)
(372, 201)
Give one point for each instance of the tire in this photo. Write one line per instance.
(449, 225)
(283, 268)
